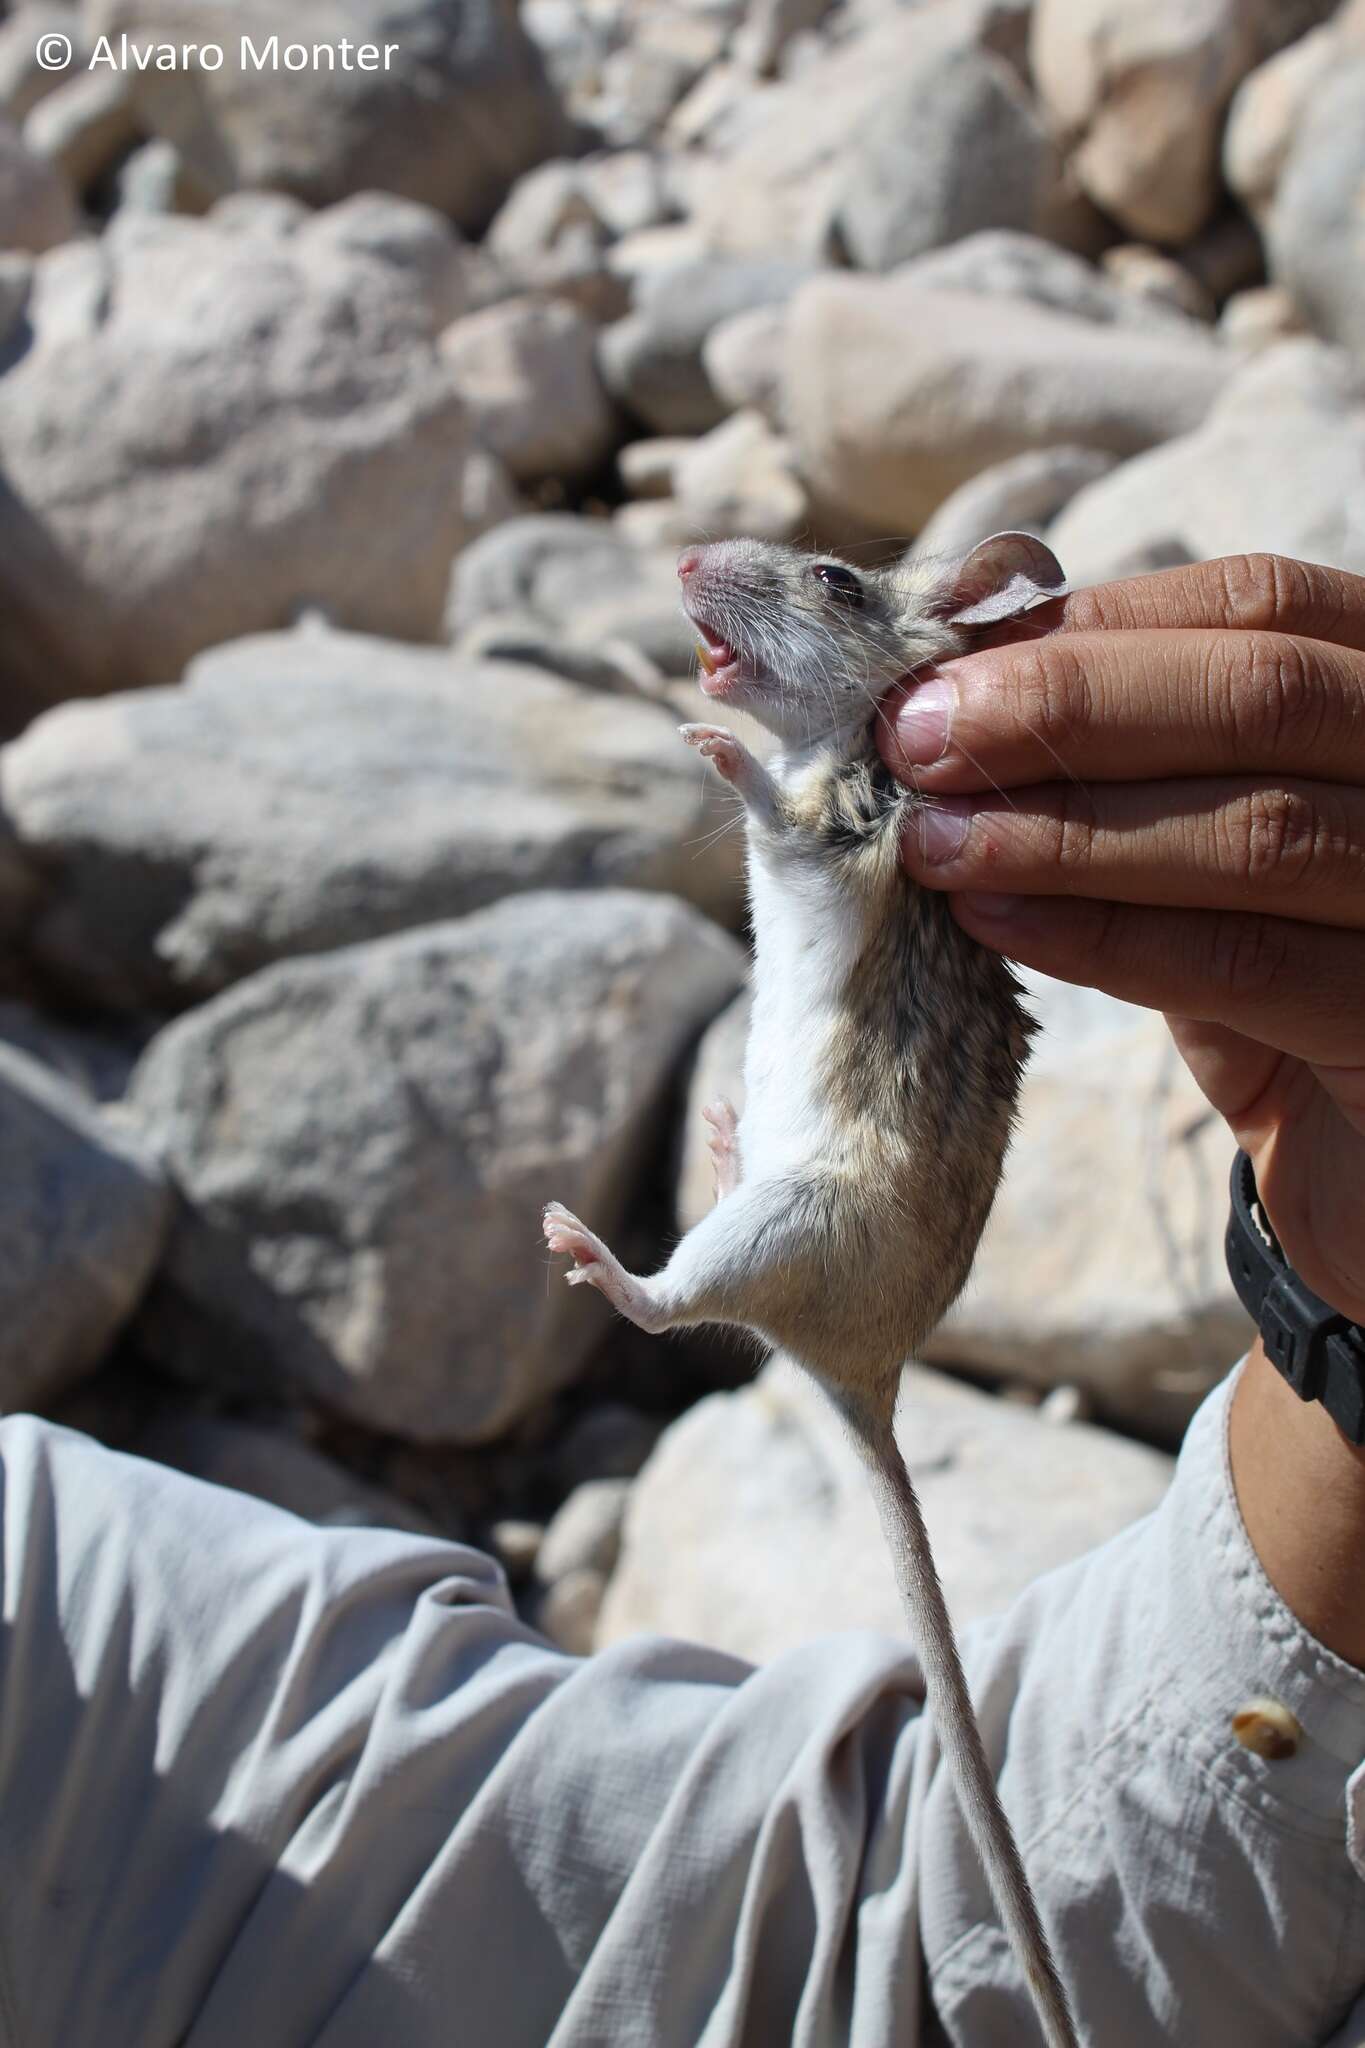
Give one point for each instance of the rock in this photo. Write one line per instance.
(363, 1144)
(770, 25)
(1317, 228)
(548, 236)
(585, 1534)
(1157, 279)
(273, 1466)
(305, 791)
(23, 81)
(645, 77)
(36, 208)
(742, 358)
(1127, 1297)
(583, 580)
(1227, 257)
(96, 1061)
(86, 1224)
(894, 395)
(652, 360)
(1006, 264)
(648, 469)
(526, 370)
(658, 523)
(957, 147)
(739, 480)
(155, 179)
(16, 288)
(455, 112)
(1258, 318)
(1277, 465)
(569, 1610)
(717, 1070)
(1268, 112)
(609, 1441)
(613, 665)
(1140, 93)
(627, 189)
(752, 1528)
(84, 127)
(219, 423)
(516, 1546)
(1026, 493)
(785, 177)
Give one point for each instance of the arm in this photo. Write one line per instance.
(1204, 855)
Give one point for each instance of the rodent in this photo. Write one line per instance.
(883, 1062)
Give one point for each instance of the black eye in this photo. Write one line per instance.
(839, 581)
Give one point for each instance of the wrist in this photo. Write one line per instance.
(1301, 1491)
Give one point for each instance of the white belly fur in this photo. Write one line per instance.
(807, 932)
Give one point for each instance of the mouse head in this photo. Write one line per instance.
(808, 644)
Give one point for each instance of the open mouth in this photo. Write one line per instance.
(720, 662)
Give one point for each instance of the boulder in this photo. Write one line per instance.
(451, 115)
(742, 358)
(1277, 465)
(1006, 264)
(1139, 93)
(219, 423)
(526, 370)
(1271, 108)
(87, 1217)
(582, 580)
(363, 1144)
(1025, 493)
(787, 167)
(652, 360)
(305, 791)
(37, 211)
(1317, 227)
(1128, 1298)
(752, 1527)
(739, 480)
(85, 126)
(894, 394)
(953, 146)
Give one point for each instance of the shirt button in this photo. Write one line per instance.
(1267, 1729)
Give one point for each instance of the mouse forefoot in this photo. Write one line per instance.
(597, 1266)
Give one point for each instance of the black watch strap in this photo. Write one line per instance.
(1319, 1352)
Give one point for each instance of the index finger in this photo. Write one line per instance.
(1256, 593)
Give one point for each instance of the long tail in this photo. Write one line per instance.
(955, 1719)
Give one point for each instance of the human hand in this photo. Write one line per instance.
(1163, 796)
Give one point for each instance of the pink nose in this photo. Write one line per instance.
(689, 563)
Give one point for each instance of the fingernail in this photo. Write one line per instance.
(990, 909)
(942, 828)
(922, 722)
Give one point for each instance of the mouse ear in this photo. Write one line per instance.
(1003, 576)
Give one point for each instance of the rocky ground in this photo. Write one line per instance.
(356, 896)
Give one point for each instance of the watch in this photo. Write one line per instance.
(1319, 1351)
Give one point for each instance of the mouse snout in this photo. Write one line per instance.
(689, 561)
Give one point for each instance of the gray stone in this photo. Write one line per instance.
(568, 1612)
(1156, 279)
(461, 109)
(1256, 319)
(957, 148)
(895, 395)
(23, 81)
(154, 179)
(614, 665)
(1277, 465)
(1317, 228)
(219, 423)
(37, 210)
(16, 288)
(526, 369)
(647, 469)
(1025, 494)
(770, 25)
(717, 1071)
(96, 1060)
(1007, 264)
(752, 1528)
(585, 1534)
(363, 1144)
(742, 358)
(84, 127)
(652, 360)
(1271, 108)
(304, 791)
(739, 480)
(273, 1466)
(85, 1226)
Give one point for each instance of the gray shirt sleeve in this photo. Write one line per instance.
(269, 1782)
